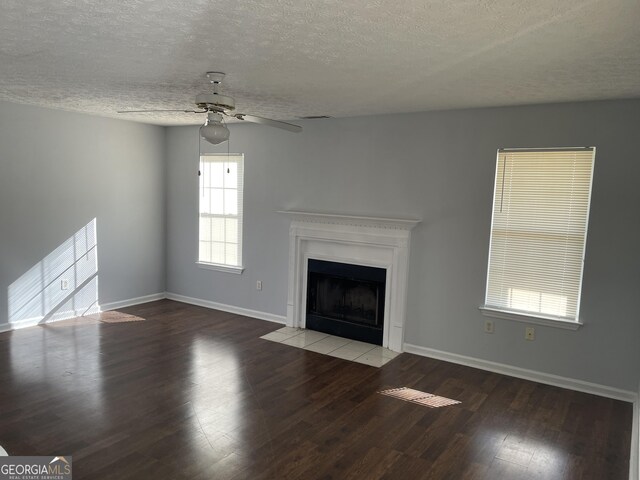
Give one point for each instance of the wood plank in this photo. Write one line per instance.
(194, 393)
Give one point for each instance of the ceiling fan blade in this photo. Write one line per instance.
(267, 121)
(153, 111)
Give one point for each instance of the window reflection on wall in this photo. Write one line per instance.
(63, 284)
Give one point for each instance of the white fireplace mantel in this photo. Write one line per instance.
(369, 241)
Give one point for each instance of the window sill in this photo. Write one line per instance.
(530, 318)
(220, 268)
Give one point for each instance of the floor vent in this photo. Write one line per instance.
(421, 398)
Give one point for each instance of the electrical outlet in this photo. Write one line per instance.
(64, 284)
(488, 326)
(259, 285)
(530, 333)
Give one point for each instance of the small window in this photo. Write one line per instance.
(220, 237)
(538, 232)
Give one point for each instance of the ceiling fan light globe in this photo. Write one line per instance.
(214, 133)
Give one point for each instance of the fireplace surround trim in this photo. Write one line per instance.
(368, 241)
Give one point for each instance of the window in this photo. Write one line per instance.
(538, 235)
(220, 238)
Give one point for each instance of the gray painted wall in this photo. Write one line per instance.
(58, 171)
(439, 167)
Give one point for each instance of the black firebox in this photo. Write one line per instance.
(346, 300)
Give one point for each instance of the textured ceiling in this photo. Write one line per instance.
(290, 58)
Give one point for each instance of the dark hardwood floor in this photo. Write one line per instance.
(192, 393)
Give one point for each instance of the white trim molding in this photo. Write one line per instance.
(66, 315)
(334, 219)
(132, 301)
(368, 241)
(56, 317)
(270, 317)
(536, 319)
(534, 376)
(220, 268)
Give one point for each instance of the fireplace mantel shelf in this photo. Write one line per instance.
(330, 218)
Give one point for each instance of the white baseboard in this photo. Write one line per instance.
(549, 379)
(24, 323)
(270, 317)
(57, 317)
(132, 301)
(97, 308)
(540, 377)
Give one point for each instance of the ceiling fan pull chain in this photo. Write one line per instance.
(200, 166)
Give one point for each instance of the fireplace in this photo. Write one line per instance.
(344, 239)
(346, 300)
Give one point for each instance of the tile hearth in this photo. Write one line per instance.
(365, 353)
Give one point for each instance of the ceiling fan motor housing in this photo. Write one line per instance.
(215, 102)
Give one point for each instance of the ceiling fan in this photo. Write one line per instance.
(217, 107)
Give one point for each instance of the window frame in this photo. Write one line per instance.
(222, 267)
(532, 317)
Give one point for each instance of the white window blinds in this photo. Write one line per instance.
(221, 182)
(538, 232)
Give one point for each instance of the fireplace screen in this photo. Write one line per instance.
(346, 300)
